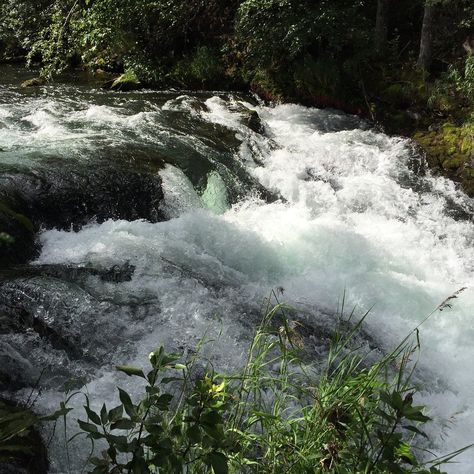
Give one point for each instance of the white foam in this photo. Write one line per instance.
(350, 221)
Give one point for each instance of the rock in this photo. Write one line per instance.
(250, 117)
(35, 82)
(252, 120)
(15, 370)
(71, 273)
(449, 149)
(17, 237)
(70, 197)
(118, 273)
(59, 312)
(128, 81)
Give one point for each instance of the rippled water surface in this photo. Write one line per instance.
(314, 202)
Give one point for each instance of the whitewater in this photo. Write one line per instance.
(351, 212)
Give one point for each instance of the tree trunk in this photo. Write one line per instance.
(426, 41)
(381, 25)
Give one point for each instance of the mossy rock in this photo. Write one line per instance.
(35, 82)
(450, 149)
(126, 82)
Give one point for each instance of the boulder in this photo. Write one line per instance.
(252, 120)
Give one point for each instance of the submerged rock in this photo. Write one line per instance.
(61, 313)
(17, 241)
(71, 273)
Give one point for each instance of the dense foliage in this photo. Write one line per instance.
(312, 50)
(275, 415)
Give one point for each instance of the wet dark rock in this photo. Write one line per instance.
(58, 198)
(118, 273)
(70, 273)
(69, 198)
(61, 313)
(15, 370)
(17, 240)
(252, 120)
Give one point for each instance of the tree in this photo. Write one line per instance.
(425, 56)
(381, 25)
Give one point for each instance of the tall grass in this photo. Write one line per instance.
(354, 413)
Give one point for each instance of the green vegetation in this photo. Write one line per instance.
(352, 414)
(450, 148)
(21, 446)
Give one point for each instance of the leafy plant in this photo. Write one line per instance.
(18, 431)
(276, 415)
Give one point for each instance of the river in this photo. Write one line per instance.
(165, 217)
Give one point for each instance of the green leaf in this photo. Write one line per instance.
(211, 418)
(127, 403)
(414, 429)
(163, 401)
(403, 452)
(218, 462)
(213, 431)
(116, 413)
(123, 424)
(99, 462)
(415, 414)
(93, 416)
(154, 429)
(131, 371)
(194, 433)
(63, 411)
(103, 414)
(88, 427)
(119, 442)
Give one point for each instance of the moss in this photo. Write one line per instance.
(451, 149)
(35, 82)
(126, 82)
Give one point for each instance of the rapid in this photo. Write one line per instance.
(166, 217)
